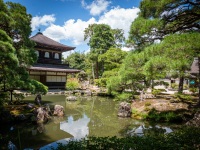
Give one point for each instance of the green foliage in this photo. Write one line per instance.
(72, 84)
(114, 84)
(185, 86)
(147, 104)
(155, 68)
(82, 76)
(177, 33)
(76, 60)
(185, 138)
(155, 115)
(18, 96)
(193, 89)
(101, 39)
(37, 87)
(156, 91)
(100, 82)
(183, 97)
(112, 58)
(174, 86)
(16, 49)
(123, 96)
(4, 96)
(140, 34)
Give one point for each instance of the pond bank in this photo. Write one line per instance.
(92, 116)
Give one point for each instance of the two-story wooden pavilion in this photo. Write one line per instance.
(49, 69)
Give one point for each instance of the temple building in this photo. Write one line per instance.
(49, 69)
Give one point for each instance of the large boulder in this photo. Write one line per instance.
(124, 110)
(58, 110)
(42, 115)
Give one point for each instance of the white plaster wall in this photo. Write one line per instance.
(56, 79)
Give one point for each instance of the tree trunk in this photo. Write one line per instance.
(180, 86)
(93, 76)
(97, 70)
(152, 84)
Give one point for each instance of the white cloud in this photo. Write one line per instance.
(45, 20)
(96, 7)
(120, 18)
(55, 32)
(73, 30)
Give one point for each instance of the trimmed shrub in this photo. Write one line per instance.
(183, 97)
(72, 84)
(168, 116)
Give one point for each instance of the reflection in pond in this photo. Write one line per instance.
(88, 116)
(149, 130)
(78, 128)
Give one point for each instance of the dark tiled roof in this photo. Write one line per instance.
(53, 68)
(194, 67)
(46, 42)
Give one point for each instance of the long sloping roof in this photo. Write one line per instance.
(46, 42)
(53, 68)
(194, 67)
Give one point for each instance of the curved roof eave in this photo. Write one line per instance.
(44, 41)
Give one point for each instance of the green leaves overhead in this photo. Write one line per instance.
(16, 49)
(143, 32)
(159, 18)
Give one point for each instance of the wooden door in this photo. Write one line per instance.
(43, 79)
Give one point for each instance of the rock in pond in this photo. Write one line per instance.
(58, 110)
(124, 110)
(42, 115)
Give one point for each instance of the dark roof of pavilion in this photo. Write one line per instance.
(194, 67)
(45, 42)
(53, 68)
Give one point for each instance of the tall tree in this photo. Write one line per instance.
(161, 18)
(16, 49)
(101, 38)
(131, 71)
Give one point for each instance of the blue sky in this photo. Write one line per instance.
(65, 20)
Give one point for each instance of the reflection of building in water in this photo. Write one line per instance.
(79, 128)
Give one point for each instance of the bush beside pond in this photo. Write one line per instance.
(186, 138)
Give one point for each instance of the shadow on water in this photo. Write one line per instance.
(88, 116)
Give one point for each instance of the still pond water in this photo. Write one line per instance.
(88, 116)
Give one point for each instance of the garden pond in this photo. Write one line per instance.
(88, 116)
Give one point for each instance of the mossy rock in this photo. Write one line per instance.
(173, 100)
